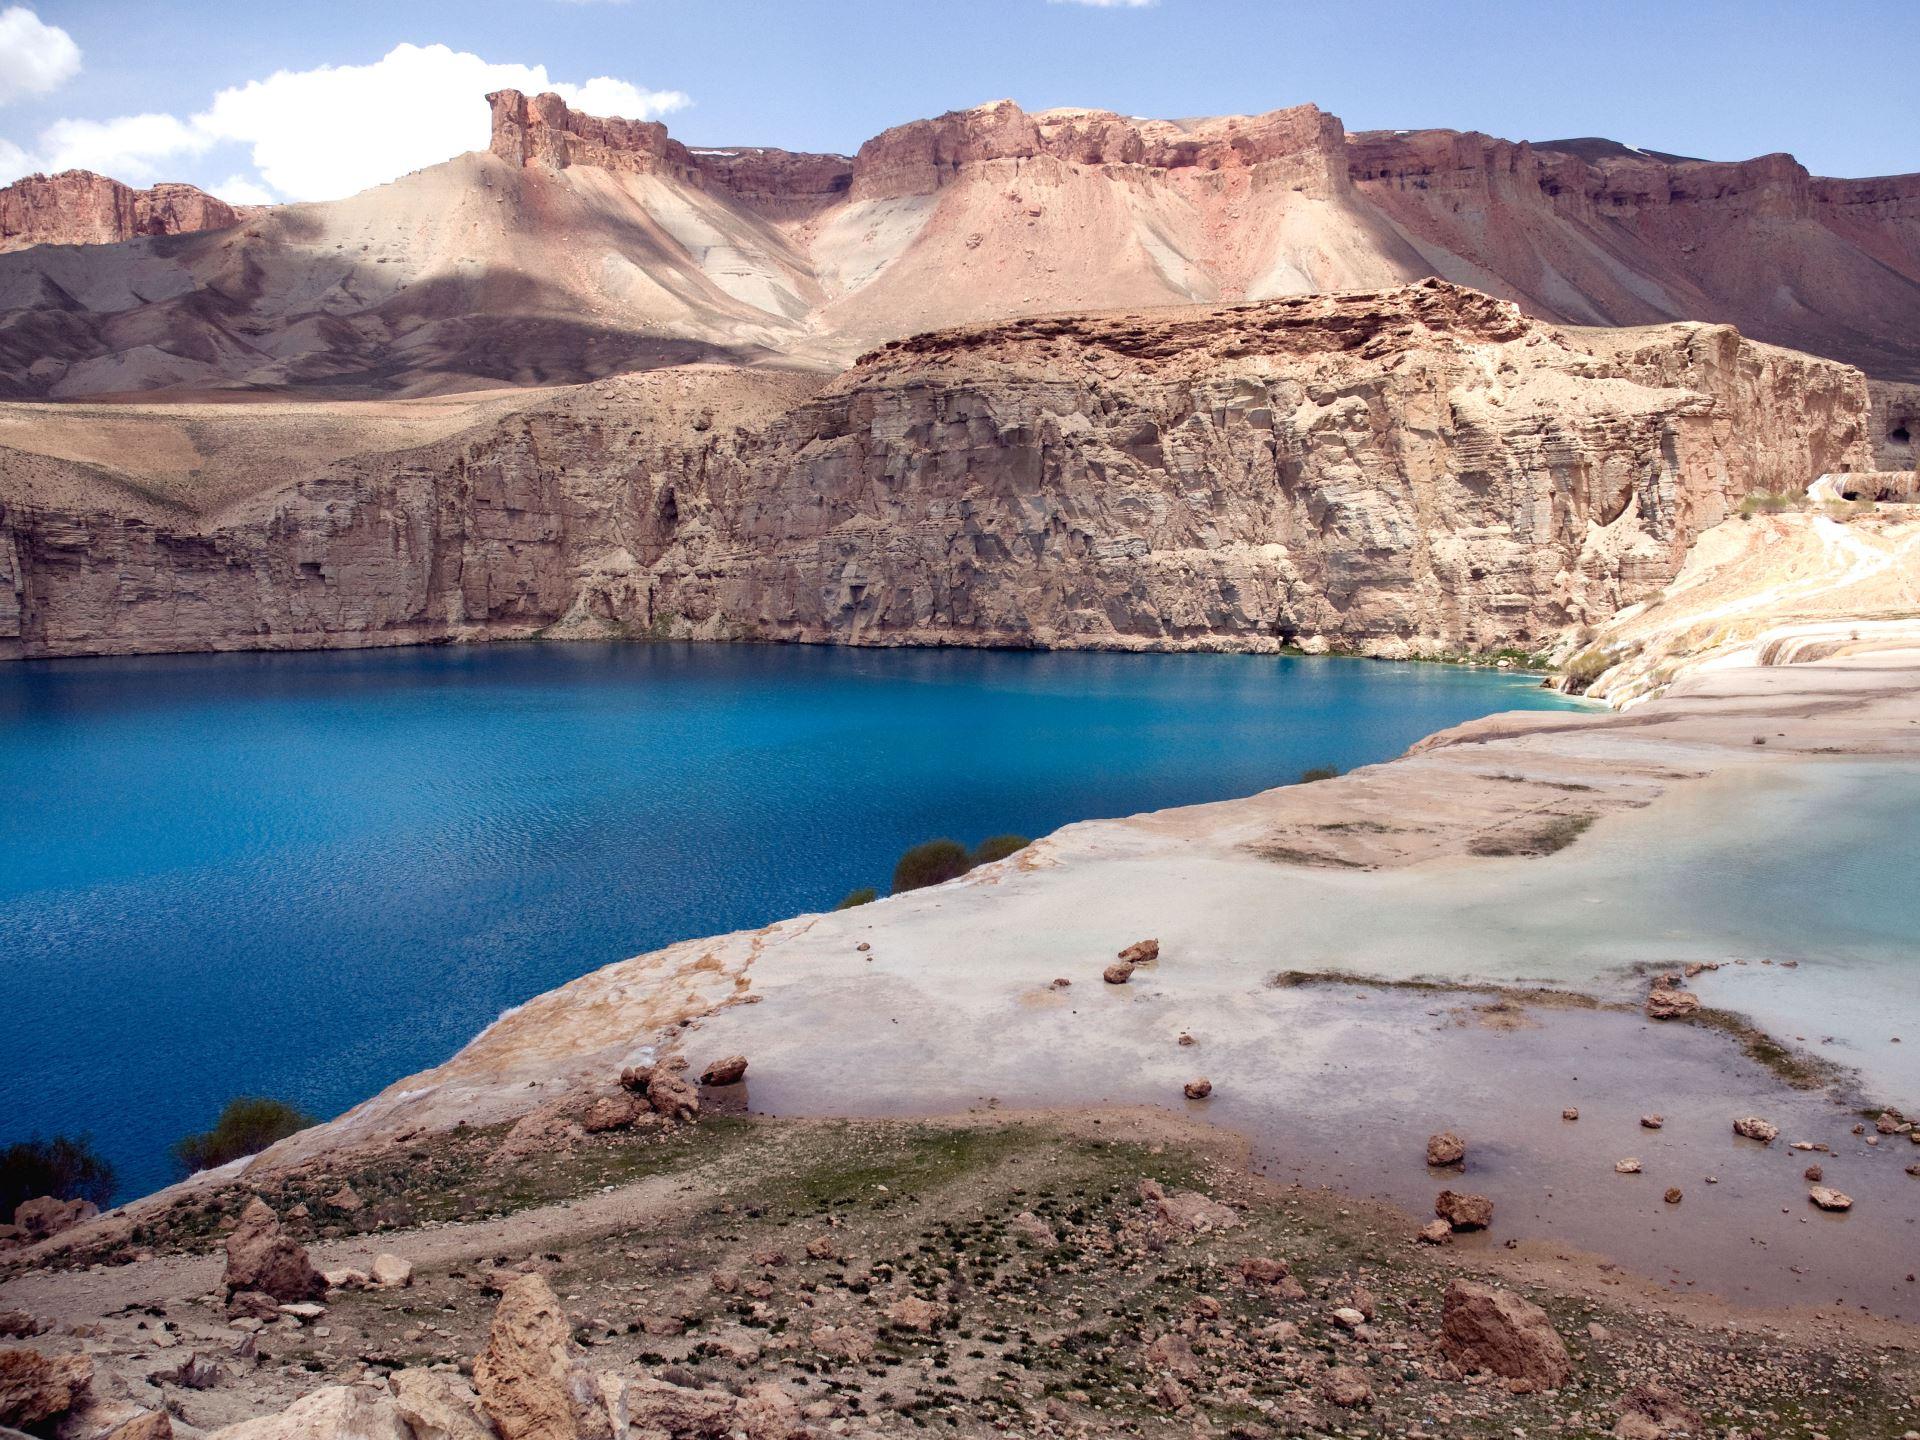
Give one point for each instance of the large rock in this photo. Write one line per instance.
(263, 1258)
(1501, 1333)
(337, 1412)
(682, 1411)
(45, 1216)
(1464, 1211)
(36, 1388)
(531, 1380)
(1446, 1148)
(437, 1406)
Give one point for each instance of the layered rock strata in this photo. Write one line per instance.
(1409, 472)
(78, 207)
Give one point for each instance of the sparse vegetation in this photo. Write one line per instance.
(1579, 673)
(865, 895)
(1319, 772)
(248, 1125)
(1768, 502)
(1556, 832)
(65, 1167)
(998, 847)
(932, 862)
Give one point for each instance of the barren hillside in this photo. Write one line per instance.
(576, 248)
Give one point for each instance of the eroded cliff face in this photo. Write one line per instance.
(1402, 473)
(78, 207)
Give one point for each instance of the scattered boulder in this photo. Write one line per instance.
(19, 1325)
(1463, 1211)
(1187, 1210)
(1035, 1229)
(1666, 1001)
(1436, 1232)
(1889, 1123)
(1198, 1088)
(1628, 1166)
(1570, 1113)
(1496, 1331)
(1652, 1122)
(1172, 1354)
(910, 1312)
(46, 1216)
(1347, 1387)
(1813, 1174)
(35, 1388)
(390, 1272)
(660, 1407)
(1648, 1412)
(1117, 973)
(1754, 1128)
(337, 1412)
(1674, 1195)
(768, 1412)
(1141, 952)
(436, 1406)
(264, 1258)
(346, 1200)
(671, 1096)
(531, 1381)
(1829, 1199)
(613, 1112)
(1446, 1148)
(196, 1372)
(1263, 1270)
(346, 1279)
(725, 1072)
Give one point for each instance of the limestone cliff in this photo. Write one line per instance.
(78, 207)
(1396, 473)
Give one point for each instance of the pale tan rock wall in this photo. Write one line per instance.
(1405, 473)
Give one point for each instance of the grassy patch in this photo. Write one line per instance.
(1542, 838)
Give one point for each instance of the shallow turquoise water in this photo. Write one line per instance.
(307, 875)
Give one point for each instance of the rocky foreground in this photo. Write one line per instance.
(1111, 1273)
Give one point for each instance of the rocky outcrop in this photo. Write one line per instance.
(542, 130)
(1411, 472)
(78, 207)
(36, 1388)
(531, 1380)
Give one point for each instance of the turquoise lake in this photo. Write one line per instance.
(306, 875)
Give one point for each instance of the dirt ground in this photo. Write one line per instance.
(740, 1250)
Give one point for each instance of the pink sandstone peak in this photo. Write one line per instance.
(78, 207)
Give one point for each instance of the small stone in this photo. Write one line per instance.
(1628, 1166)
(1436, 1232)
(1198, 1089)
(1652, 1122)
(1141, 952)
(390, 1272)
(1814, 1174)
(725, 1072)
(1754, 1128)
(1829, 1199)
(1570, 1113)
(1673, 1195)
(1117, 973)
(1349, 1318)
(1446, 1148)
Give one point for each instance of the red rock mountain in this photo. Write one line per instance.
(576, 247)
(78, 207)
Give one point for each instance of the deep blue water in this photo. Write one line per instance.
(306, 875)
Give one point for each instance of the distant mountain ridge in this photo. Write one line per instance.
(576, 247)
(78, 207)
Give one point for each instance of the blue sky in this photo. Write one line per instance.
(274, 99)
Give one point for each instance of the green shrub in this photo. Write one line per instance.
(1585, 668)
(1319, 772)
(865, 895)
(931, 863)
(998, 847)
(1768, 502)
(64, 1167)
(248, 1125)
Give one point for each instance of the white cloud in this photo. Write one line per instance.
(239, 190)
(128, 148)
(328, 132)
(35, 57)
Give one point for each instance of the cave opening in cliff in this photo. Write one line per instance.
(1900, 435)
